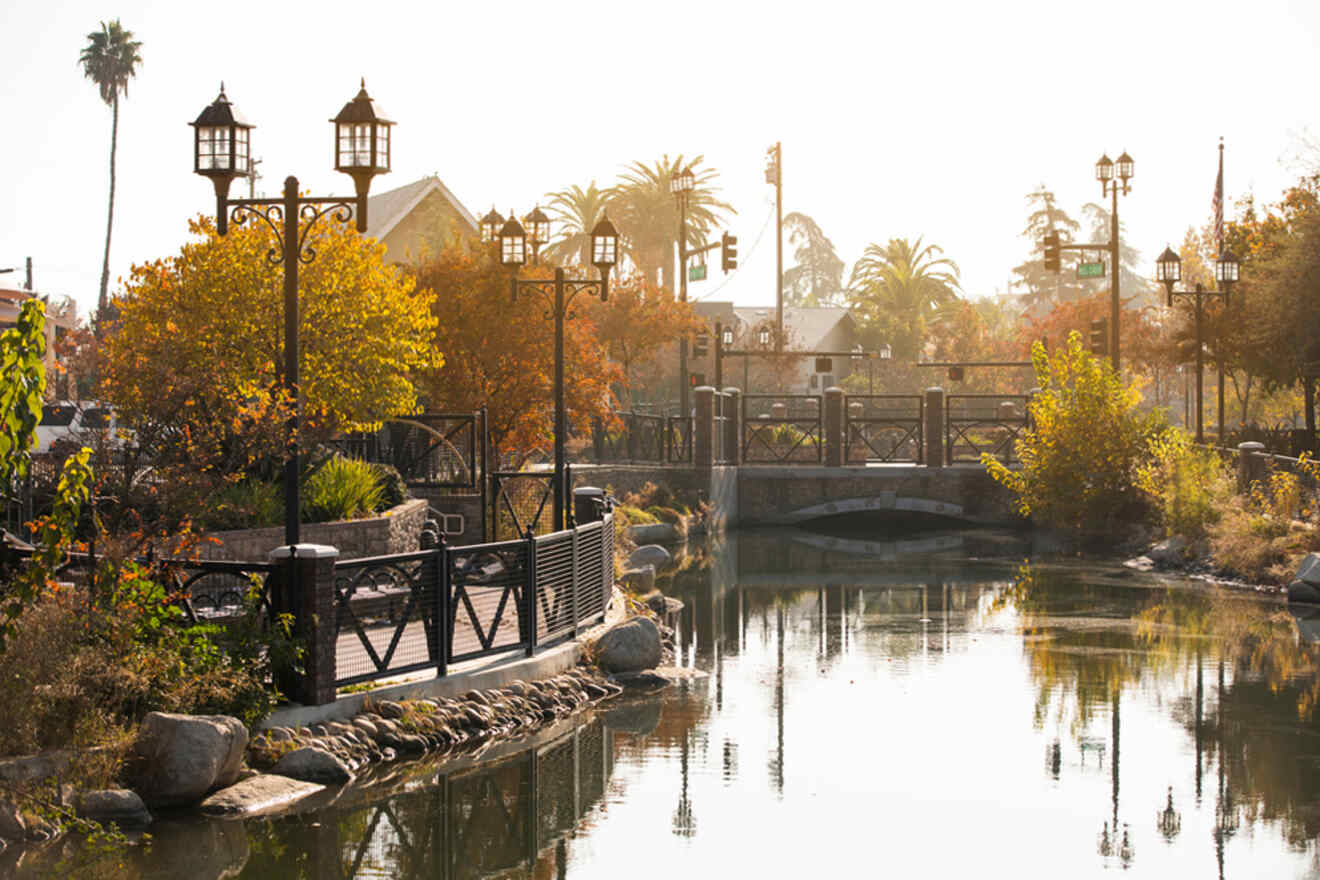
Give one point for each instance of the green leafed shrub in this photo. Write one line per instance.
(1087, 441)
(248, 504)
(394, 491)
(1188, 485)
(342, 488)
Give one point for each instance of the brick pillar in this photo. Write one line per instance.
(307, 590)
(933, 455)
(1251, 466)
(835, 401)
(703, 446)
(732, 426)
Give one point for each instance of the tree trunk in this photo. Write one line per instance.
(102, 300)
(1308, 394)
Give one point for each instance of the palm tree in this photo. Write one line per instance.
(109, 59)
(898, 288)
(646, 213)
(578, 211)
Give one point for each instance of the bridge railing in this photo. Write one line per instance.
(782, 429)
(983, 423)
(884, 428)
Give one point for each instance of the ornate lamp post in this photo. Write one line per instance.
(559, 295)
(1168, 271)
(681, 184)
(1114, 176)
(222, 151)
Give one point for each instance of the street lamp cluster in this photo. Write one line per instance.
(1168, 271)
(222, 151)
(559, 293)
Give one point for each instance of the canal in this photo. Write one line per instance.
(928, 704)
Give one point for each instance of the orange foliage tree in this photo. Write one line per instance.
(193, 357)
(500, 354)
(639, 324)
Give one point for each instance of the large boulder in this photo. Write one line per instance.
(1309, 569)
(629, 646)
(177, 759)
(1169, 552)
(653, 533)
(310, 764)
(663, 606)
(649, 554)
(258, 795)
(120, 806)
(639, 580)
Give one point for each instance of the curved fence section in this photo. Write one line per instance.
(426, 610)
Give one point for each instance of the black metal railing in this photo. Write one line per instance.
(432, 608)
(429, 450)
(884, 428)
(634, 438)
(983, 423)
(522, 501)
(782, 429)
(678, 439)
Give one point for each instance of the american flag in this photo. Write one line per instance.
(1218, 204)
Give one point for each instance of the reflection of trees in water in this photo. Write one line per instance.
(1259, 727)
(506, 816)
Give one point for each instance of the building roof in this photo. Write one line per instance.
(387, 210)
(807, 327)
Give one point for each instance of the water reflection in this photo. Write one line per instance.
(936, 708)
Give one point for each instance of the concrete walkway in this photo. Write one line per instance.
(473, 675)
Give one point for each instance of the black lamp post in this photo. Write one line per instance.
(885, 352)
(559, 295)
(222, 151)
(681, 184)
(1168, 271)
(1114, 176)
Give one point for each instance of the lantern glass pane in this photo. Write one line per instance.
(213, 148)
(513, 249)
(603, 248)
(241, 150)
(728, 337)
(383, 147)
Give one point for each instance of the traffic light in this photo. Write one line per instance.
(696, 380)
(955, 373)
(824, 365)
(701, 345)
(729, 253)
(1100, 336)
(1052, 251)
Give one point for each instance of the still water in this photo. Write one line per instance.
(922, 706)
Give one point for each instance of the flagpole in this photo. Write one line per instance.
(1219, 252)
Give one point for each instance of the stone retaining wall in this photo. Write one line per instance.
(397, 530)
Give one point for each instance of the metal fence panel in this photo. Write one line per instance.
(782, 429)
(977, 423)
(386, 612)
(884, 427)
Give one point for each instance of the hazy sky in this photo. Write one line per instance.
(917, 119)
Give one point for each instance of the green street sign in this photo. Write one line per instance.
(697, 273)
(1090, 270)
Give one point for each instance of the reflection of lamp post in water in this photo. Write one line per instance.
(1168, 821)
(1226, 817)
(777, 768)
(685, 824)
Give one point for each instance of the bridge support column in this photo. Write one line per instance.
(732, 426)
(835, 401)
(933, 454)
(703, 445)
(306, 588)
(1251, 466)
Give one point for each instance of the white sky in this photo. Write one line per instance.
(918, 119)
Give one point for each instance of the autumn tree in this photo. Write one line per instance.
(500, 354)
(194, 356)
(638, 324)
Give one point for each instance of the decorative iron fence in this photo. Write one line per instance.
(430, 450)
(429, 609)
(989, 423)
(782, 429)
(885, 428)
(678, 439)
(522, 500)
(636, 438)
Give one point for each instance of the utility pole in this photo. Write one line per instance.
(253, 177)
(774, 174)
(27, 285)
